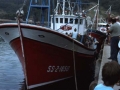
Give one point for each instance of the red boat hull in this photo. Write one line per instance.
(51, 66)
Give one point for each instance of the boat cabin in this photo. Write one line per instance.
(67, 23)
(66, 20)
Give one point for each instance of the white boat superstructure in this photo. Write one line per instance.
(66, 20)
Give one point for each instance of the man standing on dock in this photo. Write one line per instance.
(115, 33)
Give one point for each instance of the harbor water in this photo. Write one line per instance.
(11, 73)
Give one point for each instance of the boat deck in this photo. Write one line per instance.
(106, 54)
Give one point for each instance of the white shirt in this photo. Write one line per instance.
(74, 35)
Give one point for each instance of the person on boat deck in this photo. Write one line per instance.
(110, 76)
(70, 34)
(75, 34)
(115, 33)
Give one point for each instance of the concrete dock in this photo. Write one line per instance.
(106, 54)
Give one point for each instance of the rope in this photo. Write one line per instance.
(74, 67)
(20, 13)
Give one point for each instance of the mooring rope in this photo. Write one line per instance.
(74, 67)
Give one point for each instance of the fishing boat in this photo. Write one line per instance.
(52, 60)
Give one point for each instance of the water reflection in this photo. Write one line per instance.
(11, 74)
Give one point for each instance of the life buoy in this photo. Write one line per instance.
(65, 27)
(103, 30)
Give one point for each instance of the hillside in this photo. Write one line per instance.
(8, 8)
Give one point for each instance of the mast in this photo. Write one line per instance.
(69, 7)
(108, 14)
(53, 16)
(57, 6)
(63, 9)
(95, 20)
(97, 16)
(79, 5)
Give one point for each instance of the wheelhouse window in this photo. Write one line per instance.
(56, 20)
(53, 20)
(71, 21)
(66, 20)
(61, 20)
(81, 21)
(76, 21)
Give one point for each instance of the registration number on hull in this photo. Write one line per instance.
(58, 68)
